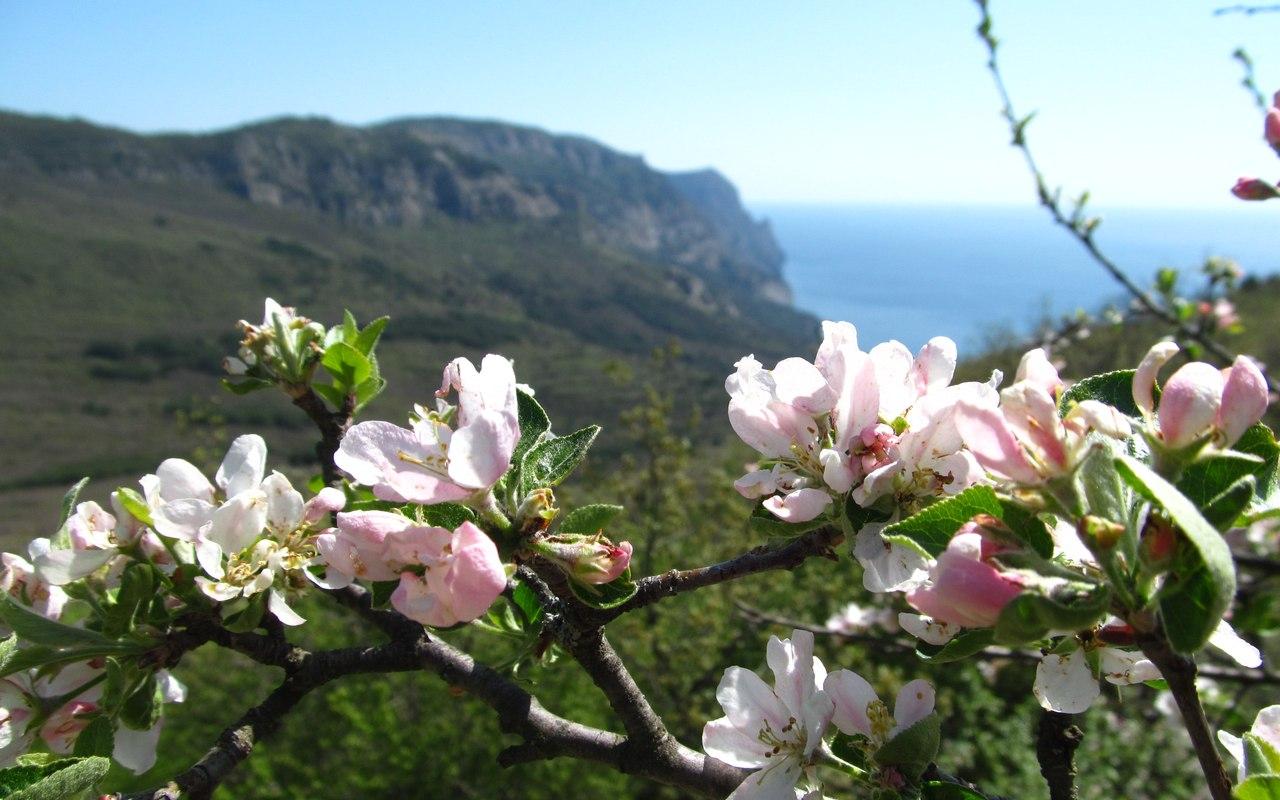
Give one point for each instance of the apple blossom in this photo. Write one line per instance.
(928, 629)
(1025, 440)
(1067, 683)
(855, 618)
(1199, 399)
(1271, 126)
(963, 588)
(463, 576)
(775, 731)
(19, 580)
(433, 462)
(859, 711)
(1266, 726)
(182, 500)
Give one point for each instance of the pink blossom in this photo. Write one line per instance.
(434, 462)
(964, 589)
(1200, 399)
(1271, 127)
(586, 559)
(65, 724)
(461, 580)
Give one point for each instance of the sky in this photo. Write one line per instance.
(857, 101)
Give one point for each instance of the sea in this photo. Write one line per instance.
(985, 274)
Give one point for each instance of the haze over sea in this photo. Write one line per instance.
(975, 272)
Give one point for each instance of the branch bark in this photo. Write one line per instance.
(1056, 741)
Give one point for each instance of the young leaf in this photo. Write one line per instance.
(445, 515)
(1113, 388)
(589, 519)
(97, 739)
(550, 462)
(350, 330)
(1259, 787)
(1201, 589)
(764, 523)
(41, 655)
(141, 709)
(332, 394)
(1211, 474)
(533, 423)
(35, 628)
(1224, 510)
(348, 366)
(912, 749)
(963, 645)
(605, 595)
(135, 504)
(57, 780)
(245, 385)
(930, 530)
(69, 501)
(368, 338)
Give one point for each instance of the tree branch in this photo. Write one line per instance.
(1056, 741)
(333, 426)
(1179, 672)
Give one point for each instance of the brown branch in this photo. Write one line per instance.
(1179, 672)
(1056, 741)
(1073, 224)
(820, 542)
(333, 426)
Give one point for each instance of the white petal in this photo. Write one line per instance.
(284, 504)
(888, 567)
(180, 480)
(775, 782)
(915, 702)
(733, 745)
(181, 519)
(209, 554)
(276, 605)
(746, 699)
(60, 567)
(792, 663)
(851, 694)
(1226, 639)
(216, 590)
(171, 689)
(1235, 746)
(244, 465)
(136, 750)
(1065, 683)
(240, 520)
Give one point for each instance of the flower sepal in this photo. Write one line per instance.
(911, 750)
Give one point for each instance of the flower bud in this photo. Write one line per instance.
(1254, 189)
(1244, 399)
(1159, 545)
(586, 559)
(537, 511)
(964, 589)
(1271, 128)
(1190, 403)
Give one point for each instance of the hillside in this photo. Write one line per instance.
(125, 260)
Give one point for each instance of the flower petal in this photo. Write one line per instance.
(850, 694)
(244, 465)
(1065, 683)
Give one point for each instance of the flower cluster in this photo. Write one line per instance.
(1256, 188)
(780, 732)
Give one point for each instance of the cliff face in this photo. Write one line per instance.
(405, 172)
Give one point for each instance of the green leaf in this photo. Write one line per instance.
(137, 587)
(930, 530)
(135, 504)
(247, 619)
(245, 385)
(57, 780)
(963, 645)
(332, 394)
(1211, 474)
(350, 330)
(97, 739)
(445, 515)
(1029, 617)
(141, 709)
(368, 390)
(41, 656)
(69, 501)
(533, 423)
(942, 790)
(8, 650)
(32, 627)
(348, 366)
(1258, 787)
(1112, 388)
(1200, 590)
(1225, 509)
(368, 338)
(912, 749)
(527, 601)
(550, 462)
(1259, 756)
(605, 595)
(589, 519)
(765, 523)
(1261, 442)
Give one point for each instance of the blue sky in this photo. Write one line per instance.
(869, 101)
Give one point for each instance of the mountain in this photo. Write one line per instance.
(126, 259)
(405, 172)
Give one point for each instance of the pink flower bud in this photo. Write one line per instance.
(963, 589)
(1190, 403)
(1254, 189)
(586, 559)
(1244, 399)
(1271, 128)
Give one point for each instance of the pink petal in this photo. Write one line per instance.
(480, 451)
(476, 576)
(989, 437)
(851, 694)
(1190, 403)
(1144, 378)
(1244, 399)
(801, 505)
